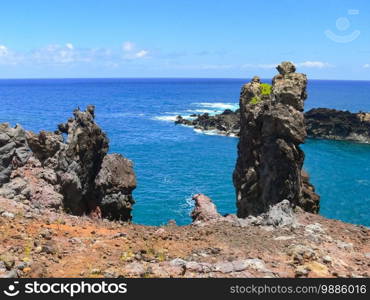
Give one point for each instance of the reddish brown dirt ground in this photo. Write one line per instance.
(49, 244)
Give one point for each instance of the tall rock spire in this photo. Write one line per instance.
(269, 164)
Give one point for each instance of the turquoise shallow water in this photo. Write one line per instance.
(174, 162)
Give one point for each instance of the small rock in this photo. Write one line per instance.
(109, 274)
(22, 265)
(280, 214)
(301, 253)
(224, 267)
(344, 245)
(284, 238)
(257, 264)
(327, 259)
(239, 265)
(315, 228)
(160, 231)
(135, 269)
(8, 261)
(178, 262)
(118, 235)
(194, 266)
(204, 209)
(7, 214)
(11, 274)
(48, 249)
(301, 271)
(46, 234)
(171, 223)
(38, 249)
(2, 266)
(75, 240)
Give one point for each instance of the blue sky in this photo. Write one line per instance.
(145, 38)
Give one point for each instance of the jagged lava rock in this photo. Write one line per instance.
(226, 123)
(269, 164)
(14, 151)
(75, 174)
(45, 144)
(80, 159)
(204, 210)
(115, 182)
(338, 125)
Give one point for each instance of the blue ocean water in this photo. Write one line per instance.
(174, 162)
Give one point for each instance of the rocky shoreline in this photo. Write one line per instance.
(321, 123)
(64, 199)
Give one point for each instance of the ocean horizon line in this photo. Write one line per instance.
(168, 78)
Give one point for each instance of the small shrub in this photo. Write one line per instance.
(266, 89)
(126, 256)
(27, 252)
(255, 100)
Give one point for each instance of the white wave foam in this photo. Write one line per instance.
(202, 111)
(208, 132)
(213, 132)
(172, 118)
(363, 182)
(165, 118)
(218, 105)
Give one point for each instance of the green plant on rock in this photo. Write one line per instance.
(255, 100)
(266, 89)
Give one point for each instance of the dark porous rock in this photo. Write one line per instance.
(309, 201)
(289, 87)
(80, 159)
(338, 125)
(321, 123)
(226, 123)
(14, 151)
(45, 144)
(269, 164)
(115, 183)
(74, 173)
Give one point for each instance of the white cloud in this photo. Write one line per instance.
(55, 54)
(70, 46)
(3, 50)
(131, 51)
(8, 57)
(313, 64)
(68, 54)
(128, 46)
(141, 53)
(366, 66)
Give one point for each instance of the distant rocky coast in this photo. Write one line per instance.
(321, 123)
